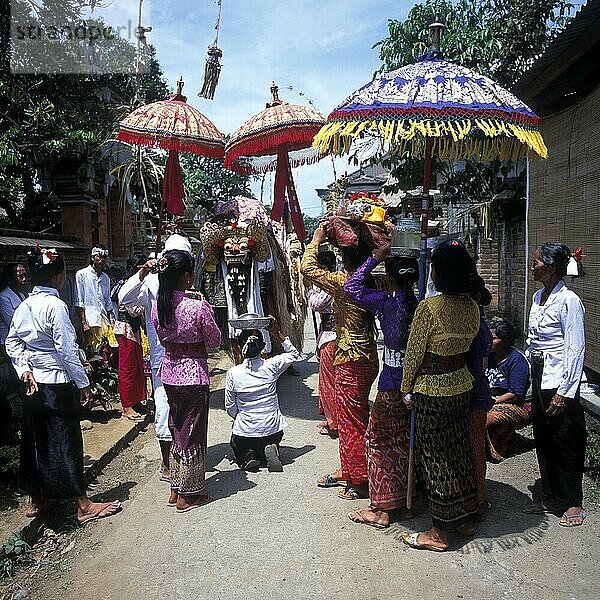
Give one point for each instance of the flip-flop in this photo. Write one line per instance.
(205, 501)
(536, 509)
(356, 516)
(412, 541)
(134, 418)
(329, 481)
(582, 515)
(351, 493)
(110, 509)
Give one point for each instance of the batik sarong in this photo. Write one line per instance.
(327, 384)
(353, 381)
(51, 463)
(387, 445)
(503, 420)
(188, 422)
(444, 458)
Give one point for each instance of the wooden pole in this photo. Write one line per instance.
(422, 287)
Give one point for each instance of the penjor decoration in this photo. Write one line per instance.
(277, 139)
(212, 69)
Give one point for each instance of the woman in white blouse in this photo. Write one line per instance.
(251, 400)
(42, 345)
(556, 348)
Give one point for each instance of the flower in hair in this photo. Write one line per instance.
(45, 256)
(162, 264)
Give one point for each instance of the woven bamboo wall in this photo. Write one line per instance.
(565, 203)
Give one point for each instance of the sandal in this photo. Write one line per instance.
(356, 516)
(412, 541)
(536, 509)
(352, 493)
(135, 418)
(329, 481)
(106, 509)
(568, 523)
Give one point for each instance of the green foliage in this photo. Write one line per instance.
(11, 552)
(496, 38)
(593, 447)
(44, 118)
(310, 223)
(9, 460)
(207, 181)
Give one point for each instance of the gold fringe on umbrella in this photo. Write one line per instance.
(482, 139)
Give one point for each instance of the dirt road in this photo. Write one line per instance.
(276, 536)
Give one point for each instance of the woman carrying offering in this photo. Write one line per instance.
(185, 327)
(388, 433)
(556, 348)
(437, 383)
(356, 367)
(251, 400)
(508, 374)
(42, 346)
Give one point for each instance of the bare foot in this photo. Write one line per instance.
(97, 510)
(187, 503)
(35, 507)
(172, 501)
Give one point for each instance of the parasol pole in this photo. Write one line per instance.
(436, 29)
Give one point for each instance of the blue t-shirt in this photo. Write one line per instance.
(511, 375)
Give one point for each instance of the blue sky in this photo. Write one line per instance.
(320, 47)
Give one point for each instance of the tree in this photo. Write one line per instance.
(207, 181)
(496, 38)
(49, 117)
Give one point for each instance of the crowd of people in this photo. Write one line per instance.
(452, 391)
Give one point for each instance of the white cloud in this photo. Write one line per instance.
(320, 47)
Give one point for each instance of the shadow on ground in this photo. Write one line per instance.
(505, 525)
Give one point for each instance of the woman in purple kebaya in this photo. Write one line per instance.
(186, 328)
(388, 432)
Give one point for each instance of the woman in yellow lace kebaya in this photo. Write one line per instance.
(356, 366)
(439, 386)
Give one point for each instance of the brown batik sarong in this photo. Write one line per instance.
(188, 423)
(444, 458)
(503, 420)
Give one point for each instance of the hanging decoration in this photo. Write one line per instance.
(212, 69)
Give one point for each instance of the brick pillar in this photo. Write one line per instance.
(121, 238)
(103, 234)
(76, 221)
(487, 266)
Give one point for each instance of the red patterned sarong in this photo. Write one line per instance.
(387, 443)
(353, 381)
(132, 383)
(327, 384)
(478, 420)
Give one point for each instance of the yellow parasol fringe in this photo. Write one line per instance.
(452, 139)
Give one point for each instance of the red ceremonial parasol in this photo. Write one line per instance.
(176, 126)
(277, 138)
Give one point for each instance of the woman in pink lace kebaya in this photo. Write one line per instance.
(185, 327)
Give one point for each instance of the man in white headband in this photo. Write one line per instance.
(141, 290)
(93, 302)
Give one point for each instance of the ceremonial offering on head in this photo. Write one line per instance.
(250, 321)
(360, 220)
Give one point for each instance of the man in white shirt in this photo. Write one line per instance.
(251, 400)
(93, 302)
(141, 289)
